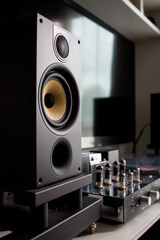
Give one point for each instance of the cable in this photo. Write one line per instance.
(139, 136)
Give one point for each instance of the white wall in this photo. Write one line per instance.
(147, 81)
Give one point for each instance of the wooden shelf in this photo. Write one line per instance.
(122, 16)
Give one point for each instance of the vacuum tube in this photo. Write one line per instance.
(122, 180)
(99, 177)
(130, 178)
(107, 173)
(136, 175)
(122, 165)
(115, 177)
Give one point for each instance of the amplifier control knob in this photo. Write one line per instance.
(145, 200)
(154, 195)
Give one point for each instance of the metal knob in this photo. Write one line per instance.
(146, 201)
(154, 195)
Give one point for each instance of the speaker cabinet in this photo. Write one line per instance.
(155, 120)
(40, 123)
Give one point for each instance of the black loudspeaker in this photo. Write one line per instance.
(40, 121)
(155, 120)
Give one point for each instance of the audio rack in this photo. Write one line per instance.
(56, 211)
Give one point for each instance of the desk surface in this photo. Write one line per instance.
(132, 230)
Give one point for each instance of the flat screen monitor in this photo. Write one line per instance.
(108, 77)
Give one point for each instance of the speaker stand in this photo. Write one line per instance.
(58, 211)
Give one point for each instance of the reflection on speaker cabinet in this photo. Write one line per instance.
(40, 104)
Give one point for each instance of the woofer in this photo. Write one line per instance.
(56, 100)
(59, 98)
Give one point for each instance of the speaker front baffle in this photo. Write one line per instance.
(40, 124)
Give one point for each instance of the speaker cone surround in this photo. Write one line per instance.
(59, 98)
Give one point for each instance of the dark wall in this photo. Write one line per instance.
(57, 11)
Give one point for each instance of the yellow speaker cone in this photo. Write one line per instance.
(54, 100)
